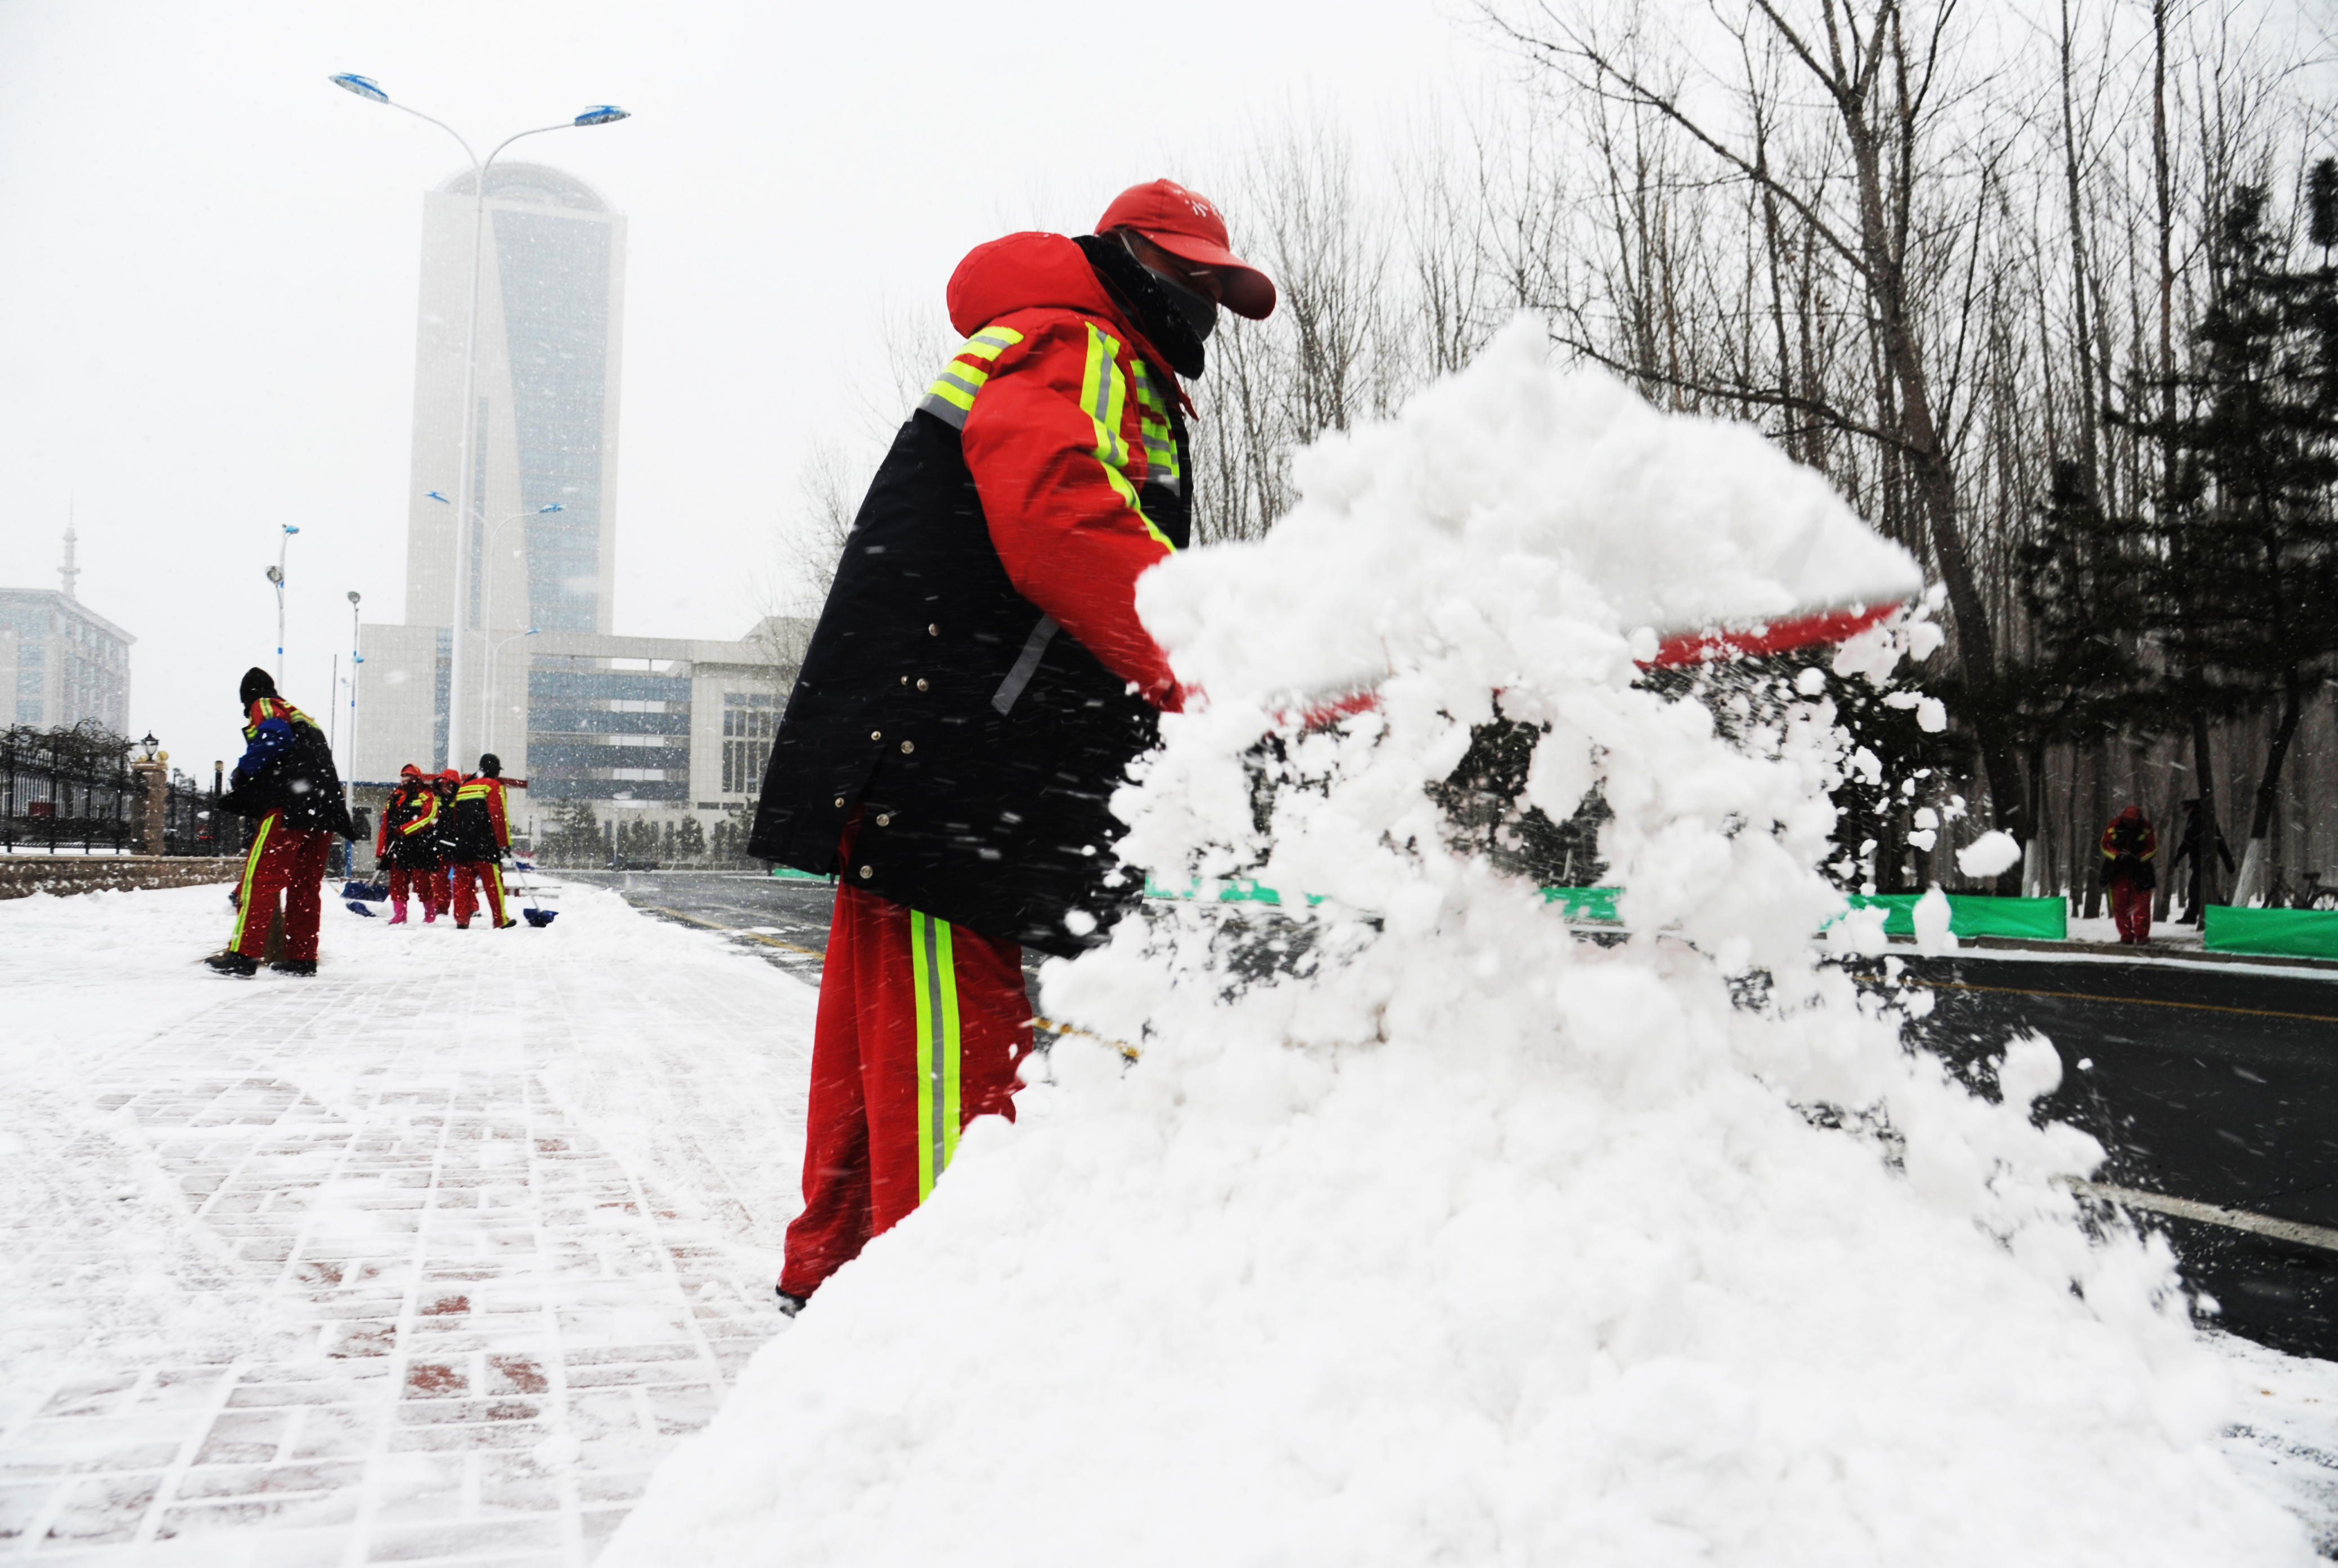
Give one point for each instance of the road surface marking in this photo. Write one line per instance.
(2133, 1001)
(731, 930)
(2213, 1214)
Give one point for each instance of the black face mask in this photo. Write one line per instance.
(1200, 311)
(1154, 302)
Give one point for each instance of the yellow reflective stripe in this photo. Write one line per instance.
(495, 873)
(991, 342)
(1104, 393)
(934, 978)
(951, 396)
(251, 870)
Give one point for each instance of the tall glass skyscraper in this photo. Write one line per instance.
(551, 310)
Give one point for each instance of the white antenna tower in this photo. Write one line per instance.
(69, 571)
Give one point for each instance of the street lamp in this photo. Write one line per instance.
(146, 747)
(276, 575)
(494, 650)
(488, 581)
(348, 782)
(598, 115)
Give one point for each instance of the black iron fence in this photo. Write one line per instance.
(65, 791)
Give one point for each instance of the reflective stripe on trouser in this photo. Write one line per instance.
(285, 866)
(921, 1027)
(243, 892)
(465, 876)
(935, 970)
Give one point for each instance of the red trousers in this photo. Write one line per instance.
(286, 864)
(420, 883)
(921, 1027)
(2131, 908)
(469, 876)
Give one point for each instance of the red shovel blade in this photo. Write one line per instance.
(1777, 637)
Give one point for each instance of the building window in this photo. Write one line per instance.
(750, 719)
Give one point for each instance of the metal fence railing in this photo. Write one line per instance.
(72, 792)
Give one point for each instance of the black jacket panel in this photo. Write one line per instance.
(997, 821)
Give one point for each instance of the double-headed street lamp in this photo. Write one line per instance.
(487, 589)
(496, 649)
(276, 575)
(599, 114)
(349, 779)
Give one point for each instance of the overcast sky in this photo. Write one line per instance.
(208, 260)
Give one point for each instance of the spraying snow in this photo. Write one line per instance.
(1462, 1240)
(1992, 852)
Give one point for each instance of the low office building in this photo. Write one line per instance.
(643, 729)
(61, 663)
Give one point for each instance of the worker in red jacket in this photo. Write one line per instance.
(441, 834)
(482, 834)
(2129, 845)
(286, 778)
(979, 682)
(405, 843)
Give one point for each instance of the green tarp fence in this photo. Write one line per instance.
(2281, 933)
(1975, 915)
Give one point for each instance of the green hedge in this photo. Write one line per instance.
(2284, 933)
(1975, 915)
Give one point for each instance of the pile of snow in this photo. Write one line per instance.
(1466, 1242)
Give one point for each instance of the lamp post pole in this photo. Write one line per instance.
(276, 575)
(459, 615)
(494, 651)
(348, 780)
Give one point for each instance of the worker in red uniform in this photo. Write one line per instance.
(285, 778)
(482, 834)
(979, 682)
(441, 833)
(404, 843)
(2128, 846)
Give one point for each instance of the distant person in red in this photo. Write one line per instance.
(482, 834)
(2129, 846)
(287, 780)
(403, 843)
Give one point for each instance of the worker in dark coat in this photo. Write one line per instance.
(443, 784)
(287, 781)
(2187, 847)
(481, 836)
(405, 843)
(978, 684)
(2129, 845)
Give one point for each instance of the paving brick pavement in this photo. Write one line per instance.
(427, 1261)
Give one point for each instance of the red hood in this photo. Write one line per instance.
(1035, 270)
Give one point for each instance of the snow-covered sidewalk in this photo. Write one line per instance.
(428, 1258)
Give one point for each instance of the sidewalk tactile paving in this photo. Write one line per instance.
(488, 1326)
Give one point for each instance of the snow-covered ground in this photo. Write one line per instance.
(437, 1255)
(430, 1257)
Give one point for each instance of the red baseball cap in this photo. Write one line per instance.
(1188, 227)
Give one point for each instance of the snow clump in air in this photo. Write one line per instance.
(1994, 851)
(1466, 1240)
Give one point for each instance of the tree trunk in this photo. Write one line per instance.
(2203, 767)
(2099, 762)
(1935, 482)
(2255, 872)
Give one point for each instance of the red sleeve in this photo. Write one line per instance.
(1053, 447)
(381, 830)
(495, 815)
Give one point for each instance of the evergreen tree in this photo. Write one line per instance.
(2248, 570)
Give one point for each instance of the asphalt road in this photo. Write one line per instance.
(2214, 1085)
(2208, 1084)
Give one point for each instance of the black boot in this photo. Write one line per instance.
(294, 966)
(232, 962)
(788, 1305)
